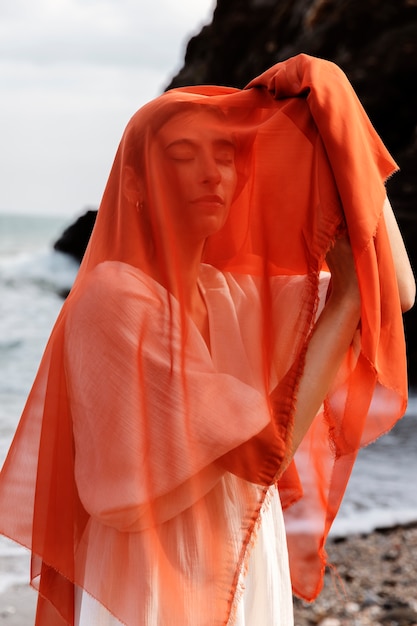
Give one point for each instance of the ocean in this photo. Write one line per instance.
(31, 276)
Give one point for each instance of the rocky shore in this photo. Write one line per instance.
(375, 583)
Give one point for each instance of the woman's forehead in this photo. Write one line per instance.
(195, 125)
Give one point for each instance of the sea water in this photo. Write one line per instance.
(32, 275)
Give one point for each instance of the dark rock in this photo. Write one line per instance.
(74, 239)
(394, 604)
(403, 616)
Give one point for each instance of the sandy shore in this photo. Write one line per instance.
(376, 585)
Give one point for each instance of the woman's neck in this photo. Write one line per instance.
(178, 272)
(181, 276)
(177, 268)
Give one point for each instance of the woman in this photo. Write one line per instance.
(201, 346)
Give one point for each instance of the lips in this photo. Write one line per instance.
(209, 199)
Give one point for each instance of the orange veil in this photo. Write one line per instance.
(143, 460)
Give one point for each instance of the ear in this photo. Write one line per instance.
(132, 186)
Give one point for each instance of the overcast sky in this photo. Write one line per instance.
(72, 72)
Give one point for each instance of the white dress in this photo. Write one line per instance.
(267, 595)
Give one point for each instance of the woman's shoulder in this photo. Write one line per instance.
(114, 290)
(119, 275)
(115, 279)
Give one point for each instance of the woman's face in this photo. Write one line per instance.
(198, 157)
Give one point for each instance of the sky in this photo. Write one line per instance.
(72, 73)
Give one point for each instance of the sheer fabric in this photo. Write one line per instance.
(148, 445)
(266, 598)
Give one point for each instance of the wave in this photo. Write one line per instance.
(14, 565)
(373, 519)
(45, 268)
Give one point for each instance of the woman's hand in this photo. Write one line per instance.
(344, 282)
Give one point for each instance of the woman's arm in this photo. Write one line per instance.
(336, 326)
(331, 338)
(404, 273)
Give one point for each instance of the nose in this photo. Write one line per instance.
(209, 169)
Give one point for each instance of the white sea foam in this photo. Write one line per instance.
(367, 521)
(44, 268)
(14, 564)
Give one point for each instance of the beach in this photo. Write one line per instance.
(375, 583)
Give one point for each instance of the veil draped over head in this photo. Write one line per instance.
(144, 456)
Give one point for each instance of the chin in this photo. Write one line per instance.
(212, 225)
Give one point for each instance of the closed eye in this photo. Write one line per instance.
(225, 158)
(181, 150)
(224, 152)
(187, 150)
